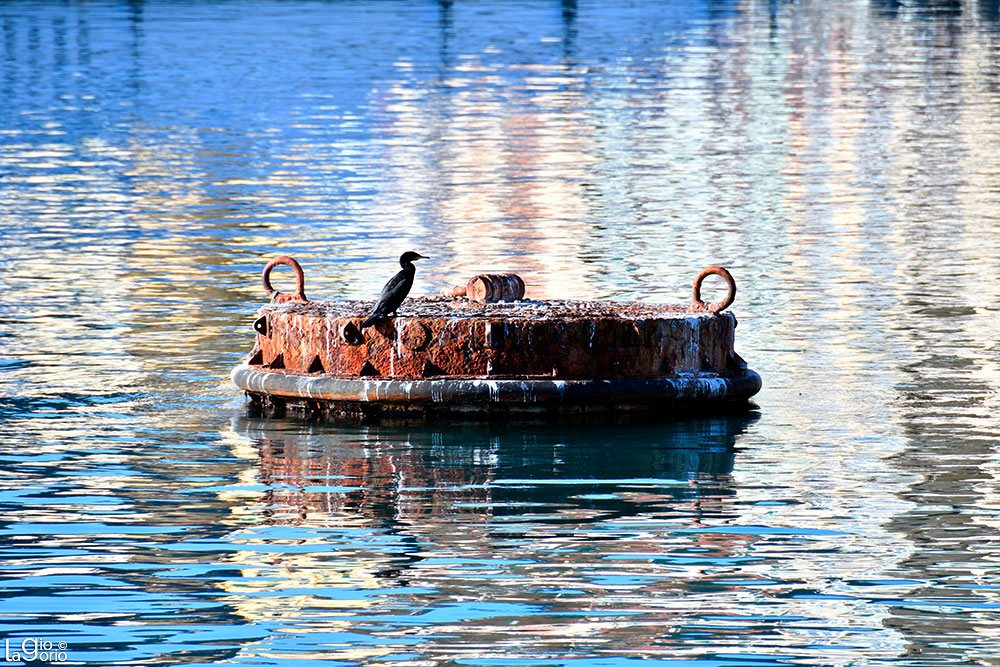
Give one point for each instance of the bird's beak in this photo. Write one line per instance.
(423, 256)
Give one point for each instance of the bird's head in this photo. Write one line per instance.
(409, 256)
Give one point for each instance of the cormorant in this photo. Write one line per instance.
(395, 290)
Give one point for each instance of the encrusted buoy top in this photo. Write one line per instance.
(444, 307)
(462, 337)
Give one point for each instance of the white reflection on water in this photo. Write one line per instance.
(584, 547)
(841, 159)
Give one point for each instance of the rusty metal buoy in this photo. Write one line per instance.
(494, 355)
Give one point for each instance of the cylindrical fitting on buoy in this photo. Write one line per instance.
(493, 287)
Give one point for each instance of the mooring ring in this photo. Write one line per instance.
(698, 304)
(300, 281)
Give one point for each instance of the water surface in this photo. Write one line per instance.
(841, 159)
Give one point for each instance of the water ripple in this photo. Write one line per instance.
(840, 159)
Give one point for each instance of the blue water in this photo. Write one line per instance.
(842, 159)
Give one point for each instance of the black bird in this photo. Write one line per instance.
(396, 289)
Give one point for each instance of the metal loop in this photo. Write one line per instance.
(300, 281)
(714, 308)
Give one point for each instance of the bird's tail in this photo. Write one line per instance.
(370, 321)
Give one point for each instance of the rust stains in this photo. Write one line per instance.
(556, 339)
(492, 332)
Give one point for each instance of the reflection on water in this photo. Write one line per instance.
(523, 524)
(841, 159)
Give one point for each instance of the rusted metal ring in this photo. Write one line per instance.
(300, 281)
(698, 304)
